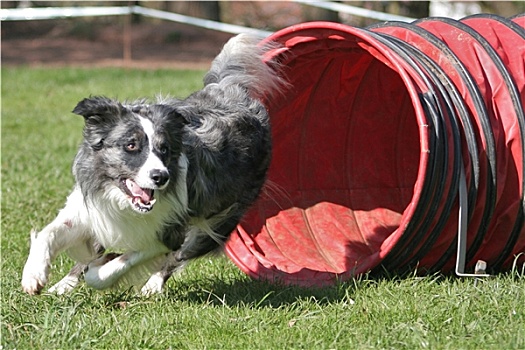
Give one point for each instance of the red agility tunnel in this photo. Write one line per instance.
(386, 135)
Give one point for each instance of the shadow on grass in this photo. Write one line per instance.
(244, 292)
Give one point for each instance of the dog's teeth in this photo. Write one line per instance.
(141, 206)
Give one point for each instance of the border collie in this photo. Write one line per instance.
(161, 183)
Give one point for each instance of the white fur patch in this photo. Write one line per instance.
(102, 274)
(153, 162)
(65, 285)
(154, 285)
(129, 269)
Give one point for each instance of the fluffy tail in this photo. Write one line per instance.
(241, 63)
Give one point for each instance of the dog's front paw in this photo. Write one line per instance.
(34, 279)
(101, 272)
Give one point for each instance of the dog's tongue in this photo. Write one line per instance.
(145, 195)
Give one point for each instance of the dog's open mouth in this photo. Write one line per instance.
(141, 198)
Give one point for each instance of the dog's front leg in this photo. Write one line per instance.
(64, 232)
(106, 271)
(45, 246)
(36, 269)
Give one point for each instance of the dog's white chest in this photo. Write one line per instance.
(119, 228)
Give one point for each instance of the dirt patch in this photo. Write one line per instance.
(154, 44)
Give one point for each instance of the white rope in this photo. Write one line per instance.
(199, 22)
(33, 13)
(356, 11)
(36, 13)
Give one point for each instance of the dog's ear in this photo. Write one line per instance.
(99, 113)
(99, 109)
(164, 113)
(178, 117)
(182, 114)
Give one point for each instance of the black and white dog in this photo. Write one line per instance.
(162, 183)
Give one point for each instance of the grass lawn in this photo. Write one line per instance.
(211, 304)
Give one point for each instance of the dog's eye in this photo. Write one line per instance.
(163, 149)
(132, 146)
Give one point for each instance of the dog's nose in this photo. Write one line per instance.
(159, 176)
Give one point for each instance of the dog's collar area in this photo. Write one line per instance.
(141, 199)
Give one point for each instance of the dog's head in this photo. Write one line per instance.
(129, 151)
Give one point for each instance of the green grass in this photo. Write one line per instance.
(211, 304)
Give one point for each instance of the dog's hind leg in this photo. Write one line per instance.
(198, 243)
(175, 262)
(71, 280)
(157, 281)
